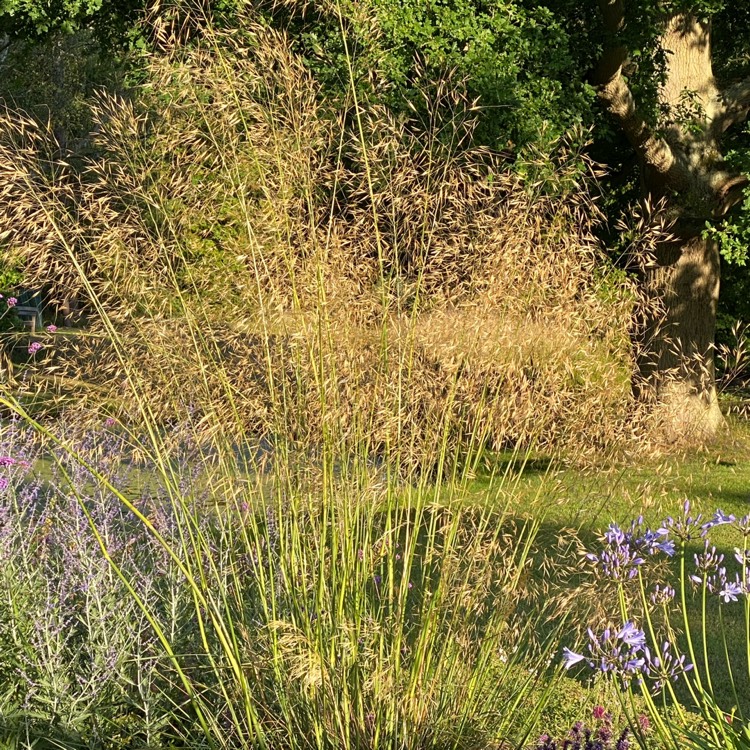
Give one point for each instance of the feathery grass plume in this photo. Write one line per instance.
(385, 275)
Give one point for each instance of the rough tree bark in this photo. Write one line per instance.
(682, 168)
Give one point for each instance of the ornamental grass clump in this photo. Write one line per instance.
(197, 603)
(305, 327)
(337, 269)
(680, 640)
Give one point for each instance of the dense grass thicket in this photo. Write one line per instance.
(306, 271)
(235, 499)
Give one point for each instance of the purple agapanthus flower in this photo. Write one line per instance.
(709, 560)
(665, 666)
(662, 595)
(570, 658)
(719, 518)
(731, 591)
(685, 526)
(631, 635)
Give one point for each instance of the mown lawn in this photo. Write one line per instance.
(590, 498)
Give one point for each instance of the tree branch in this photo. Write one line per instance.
(730, 190)
(614, 92)
(735, 106)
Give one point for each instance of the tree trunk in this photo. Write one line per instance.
(675, 353)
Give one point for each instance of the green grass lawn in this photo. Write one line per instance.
(718, 477)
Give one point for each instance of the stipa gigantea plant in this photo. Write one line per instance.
(293, 241)
(320, 601)
(341, 614)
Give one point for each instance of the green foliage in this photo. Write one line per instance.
(10, 278)
(520, 60)
(36, 19)
(733, 233)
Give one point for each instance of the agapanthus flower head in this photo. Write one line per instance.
(731, 590)
(614, 534)
(665, 666)
(742, 556)
(685, 527)
(662, 594)
(714, 582)
(618, 561)
(654, 541)
(709, 560)
(632, 635)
